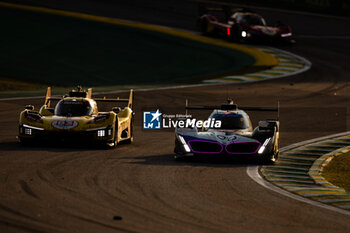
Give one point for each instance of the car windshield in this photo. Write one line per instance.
(73, 108)
(251, 20)
(231, 121)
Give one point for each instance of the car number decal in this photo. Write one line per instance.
(64, 124)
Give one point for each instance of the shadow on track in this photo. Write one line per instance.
(51, 147)
(206, 161)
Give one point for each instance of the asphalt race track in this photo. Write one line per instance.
(140, 188)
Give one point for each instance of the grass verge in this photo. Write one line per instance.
(338, 171)
(42, 49)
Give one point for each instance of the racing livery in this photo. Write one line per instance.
(242, 25)
(75, 117)
(235, 136)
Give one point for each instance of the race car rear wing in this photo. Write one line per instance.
(205, 8)
(88, 95)
(129, 100)
(230, 107)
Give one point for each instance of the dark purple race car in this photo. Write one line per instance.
(228, 132)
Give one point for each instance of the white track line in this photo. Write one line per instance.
(253, 173)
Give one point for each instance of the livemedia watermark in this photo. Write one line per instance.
(158, 120)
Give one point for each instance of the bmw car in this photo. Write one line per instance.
(234, 136)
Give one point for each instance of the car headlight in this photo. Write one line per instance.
(103, 131)
(28, 130)
(183, 141)
(262, 148)
(286, 34)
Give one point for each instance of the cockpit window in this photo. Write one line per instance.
(251, 20)
(231, 120)
(72, 108)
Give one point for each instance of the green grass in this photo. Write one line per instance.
(338, 171)
(62, 51)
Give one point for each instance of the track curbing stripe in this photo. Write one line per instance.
(289, 64)
(313, 184)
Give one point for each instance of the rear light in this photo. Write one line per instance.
(228, 31)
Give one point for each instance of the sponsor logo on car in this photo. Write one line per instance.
(64, 124)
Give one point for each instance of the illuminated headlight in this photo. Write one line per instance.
(286, 34)
(182, 140)
(262, 148)
(101, 133)
(186, 147)
(28, 131)
(244, 34)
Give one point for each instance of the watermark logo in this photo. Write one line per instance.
(157, 120)
(152, 120)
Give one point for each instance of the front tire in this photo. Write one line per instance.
(115, 138)
(131, 128)
(271, 157)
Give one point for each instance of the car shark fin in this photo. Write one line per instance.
(89, 93)
(48, 96)
(131, 98)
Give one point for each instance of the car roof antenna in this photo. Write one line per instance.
(229, 100)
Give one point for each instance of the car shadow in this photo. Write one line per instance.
(51, 147)
(207, 161)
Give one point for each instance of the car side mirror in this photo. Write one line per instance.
(29, 107)
(116, 109)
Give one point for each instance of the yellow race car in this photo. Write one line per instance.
(75, 117)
